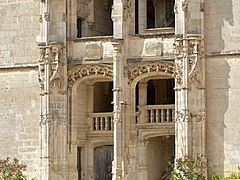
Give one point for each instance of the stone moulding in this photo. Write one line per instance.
(149, 67)
(87, 71)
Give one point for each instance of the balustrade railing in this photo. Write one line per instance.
(101, 121)
(155, 114)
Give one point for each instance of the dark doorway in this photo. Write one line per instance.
(103, 157)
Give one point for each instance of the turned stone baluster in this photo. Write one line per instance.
(111, 123)
(107, 119)
(173, 115)
(151, 116)
(168, 115)
(157, 116)
(162, 115)
(93, 124)
(96, 124)
(102, 123)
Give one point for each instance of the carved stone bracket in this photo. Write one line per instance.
(149, 67)
(178, 53)
(50, 58)
(195, 58)
(189, 49)
(89, 70)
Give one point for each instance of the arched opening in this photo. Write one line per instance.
(154, 100)
(160, 153)
(103, 97)
(91, 125)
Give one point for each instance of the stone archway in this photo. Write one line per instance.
(81, 83)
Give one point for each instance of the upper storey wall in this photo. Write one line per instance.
(19, 26)
(222, 24)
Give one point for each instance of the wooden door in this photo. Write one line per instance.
(103, 157)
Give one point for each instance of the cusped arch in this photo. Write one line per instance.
(144, 69)
(82, 71)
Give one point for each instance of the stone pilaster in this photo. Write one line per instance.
(53, 124)
(190, 78)
(117, 112)
(142, 160)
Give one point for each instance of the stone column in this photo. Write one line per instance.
(142, 160)
(142, 88)
(117, 111)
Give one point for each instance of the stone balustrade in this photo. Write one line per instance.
(101, 121)
(154, 114)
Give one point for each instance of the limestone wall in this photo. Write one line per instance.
(19, 89)
(222, 25)
(19, 116)
(19, 27)
(222, 87)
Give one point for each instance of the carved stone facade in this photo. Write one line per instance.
(115, 89)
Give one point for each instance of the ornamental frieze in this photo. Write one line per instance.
(87, 71)
(150, 67)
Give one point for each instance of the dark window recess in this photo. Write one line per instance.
(79, 168)
(79, 27)
(160, 13)
(160, 91)
(150, 14)
(136, 17)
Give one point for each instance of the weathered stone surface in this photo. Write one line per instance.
(113, 85)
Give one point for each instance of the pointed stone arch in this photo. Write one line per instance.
(89, 71)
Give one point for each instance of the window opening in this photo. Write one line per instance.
(103, 97)
(94, 18)
(79, 27)
(136, 17)
(160, 91)
(79, 168)
(150, 14)
(160, 13)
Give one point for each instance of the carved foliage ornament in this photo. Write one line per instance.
(89, 70)
(182, 116)
(137, 70)
(186, 116)
(195, 58)
(178, 68)
(192, 54)
(50, 56)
